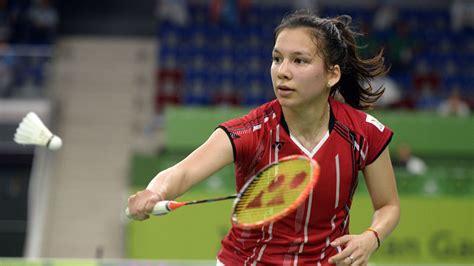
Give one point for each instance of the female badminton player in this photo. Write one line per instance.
(318, 79)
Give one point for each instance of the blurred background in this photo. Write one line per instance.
(133, 86)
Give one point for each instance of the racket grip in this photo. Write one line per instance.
(165, 206)
(161, 208)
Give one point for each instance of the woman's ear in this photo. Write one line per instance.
(334, 75)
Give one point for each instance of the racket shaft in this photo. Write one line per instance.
(210, 200)
(166, 206)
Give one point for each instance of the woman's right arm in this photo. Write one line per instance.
(209, 158)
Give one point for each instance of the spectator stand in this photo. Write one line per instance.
(225, 62)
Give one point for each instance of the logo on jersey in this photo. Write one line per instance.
(257, 127)
(372, 120)
(278, 145)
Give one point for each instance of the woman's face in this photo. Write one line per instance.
(298, 72)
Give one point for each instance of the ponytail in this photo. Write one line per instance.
(356, 72)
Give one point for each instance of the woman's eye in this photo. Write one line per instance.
(300, 61)
(276, 59)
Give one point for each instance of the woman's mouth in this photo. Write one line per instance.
(284, 91)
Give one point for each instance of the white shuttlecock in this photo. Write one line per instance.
(31, 130)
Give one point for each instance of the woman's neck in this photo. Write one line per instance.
(308, 124)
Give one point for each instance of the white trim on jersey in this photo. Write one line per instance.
(270, 236)
(333, 225)
(308, 215)
(253, 252)
(270, 154)
(338, 180)
(310, 154)
(277, 140)
(362, 153)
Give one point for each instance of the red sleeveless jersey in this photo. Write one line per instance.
(355, 139)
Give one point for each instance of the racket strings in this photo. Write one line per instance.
(273, 191)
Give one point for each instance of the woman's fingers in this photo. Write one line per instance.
(141, 204)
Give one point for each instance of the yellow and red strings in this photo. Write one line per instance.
(274, 191)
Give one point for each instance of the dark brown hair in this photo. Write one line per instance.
(337, 43)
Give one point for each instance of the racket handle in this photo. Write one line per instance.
(165, 206)
(161, 208)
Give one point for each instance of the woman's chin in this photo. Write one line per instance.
(288, 102)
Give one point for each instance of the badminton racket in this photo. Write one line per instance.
(275, 191)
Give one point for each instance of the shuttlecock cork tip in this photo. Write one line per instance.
(55, 143)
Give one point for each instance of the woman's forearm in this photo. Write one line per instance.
(210, 157)
(169, 184)
(385, 220)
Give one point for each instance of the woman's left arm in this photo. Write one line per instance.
(382, 187)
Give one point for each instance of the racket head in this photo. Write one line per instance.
(275, 191)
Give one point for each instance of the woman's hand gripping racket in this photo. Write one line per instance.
(275, 191)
